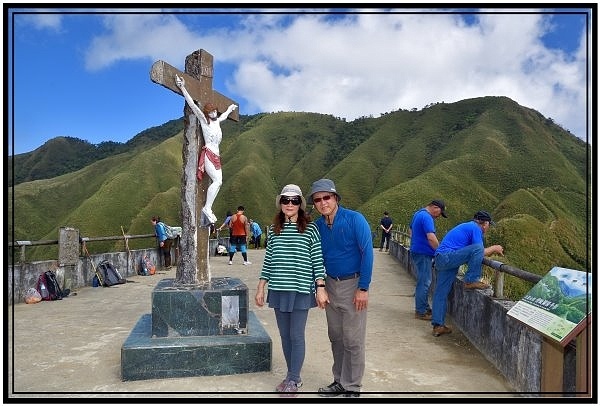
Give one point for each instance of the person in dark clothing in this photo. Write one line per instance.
(385, 224)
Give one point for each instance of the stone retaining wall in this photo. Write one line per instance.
(513, 348)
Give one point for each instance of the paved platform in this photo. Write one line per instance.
(77, 354)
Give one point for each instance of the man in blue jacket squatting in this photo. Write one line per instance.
(348, 256)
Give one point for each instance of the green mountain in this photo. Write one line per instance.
(485, 153)
(62, 155)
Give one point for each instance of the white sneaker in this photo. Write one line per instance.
(230, 262)
(247, 263)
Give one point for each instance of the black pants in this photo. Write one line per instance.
(166, 251)
(385, 237)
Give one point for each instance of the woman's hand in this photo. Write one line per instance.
(260, 297)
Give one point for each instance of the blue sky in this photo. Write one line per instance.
(86, 75)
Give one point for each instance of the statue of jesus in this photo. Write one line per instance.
(209, 160)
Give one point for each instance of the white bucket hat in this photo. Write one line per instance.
(291, 191)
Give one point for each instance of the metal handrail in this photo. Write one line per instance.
(82, 240)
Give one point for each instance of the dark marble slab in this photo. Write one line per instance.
(144, 357)
(219, 307)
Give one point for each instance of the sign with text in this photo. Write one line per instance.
(558, 306)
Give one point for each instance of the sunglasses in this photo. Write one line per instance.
(318, 199)
(294, 200)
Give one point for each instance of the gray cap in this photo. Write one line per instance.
(323, 185)
(290, 191)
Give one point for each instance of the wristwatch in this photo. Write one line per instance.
(321, 286)
(363, 289)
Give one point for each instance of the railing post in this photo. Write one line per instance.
(498, 284)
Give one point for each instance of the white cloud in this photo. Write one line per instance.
(368, 64)
(45, 21)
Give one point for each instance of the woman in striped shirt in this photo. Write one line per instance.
(293, 269)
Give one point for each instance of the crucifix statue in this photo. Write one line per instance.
(200, 155)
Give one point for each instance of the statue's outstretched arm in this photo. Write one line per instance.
(227, 112)
(197, 111)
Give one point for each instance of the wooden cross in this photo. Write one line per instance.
(198, 81)
(193, 266)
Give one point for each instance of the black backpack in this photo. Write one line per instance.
(48, 286)
(110, 275)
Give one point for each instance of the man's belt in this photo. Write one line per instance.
(345, 277)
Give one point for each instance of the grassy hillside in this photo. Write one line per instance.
(485, 153)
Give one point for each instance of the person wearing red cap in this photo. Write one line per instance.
(463, 244)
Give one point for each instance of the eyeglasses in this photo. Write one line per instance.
(325, 198)
(294, 200)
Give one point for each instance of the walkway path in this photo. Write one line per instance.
(71, 348)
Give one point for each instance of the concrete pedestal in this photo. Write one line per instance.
(196, 331)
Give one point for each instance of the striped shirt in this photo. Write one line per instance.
(293, 260)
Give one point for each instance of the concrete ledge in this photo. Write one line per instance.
(143, 357)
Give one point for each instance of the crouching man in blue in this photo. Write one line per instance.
(348, 257)
(463, 244)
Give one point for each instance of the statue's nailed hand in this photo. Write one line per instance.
(232, 107)
(180, 82)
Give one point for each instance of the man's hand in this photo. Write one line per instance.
(361, 299)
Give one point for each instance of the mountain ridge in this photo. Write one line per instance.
(485, 153)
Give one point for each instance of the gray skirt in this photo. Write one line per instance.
(286, 301)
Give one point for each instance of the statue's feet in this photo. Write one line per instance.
(210, 216)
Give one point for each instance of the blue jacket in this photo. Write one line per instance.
(256, 231)
(460, 236)
(347, 246)
(159, 229)
(420, 226)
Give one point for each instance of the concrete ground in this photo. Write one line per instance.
(71, 348)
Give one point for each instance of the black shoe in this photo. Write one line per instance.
(351, 394)
(334, 389)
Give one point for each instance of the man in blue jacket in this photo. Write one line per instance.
(348, 256)
(463, 244)
(423, 243)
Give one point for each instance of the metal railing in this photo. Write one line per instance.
(22, 245)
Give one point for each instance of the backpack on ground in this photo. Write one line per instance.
(110, 275)
(48, 286)
(222, 250)
(147, 267)
(172, 232)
